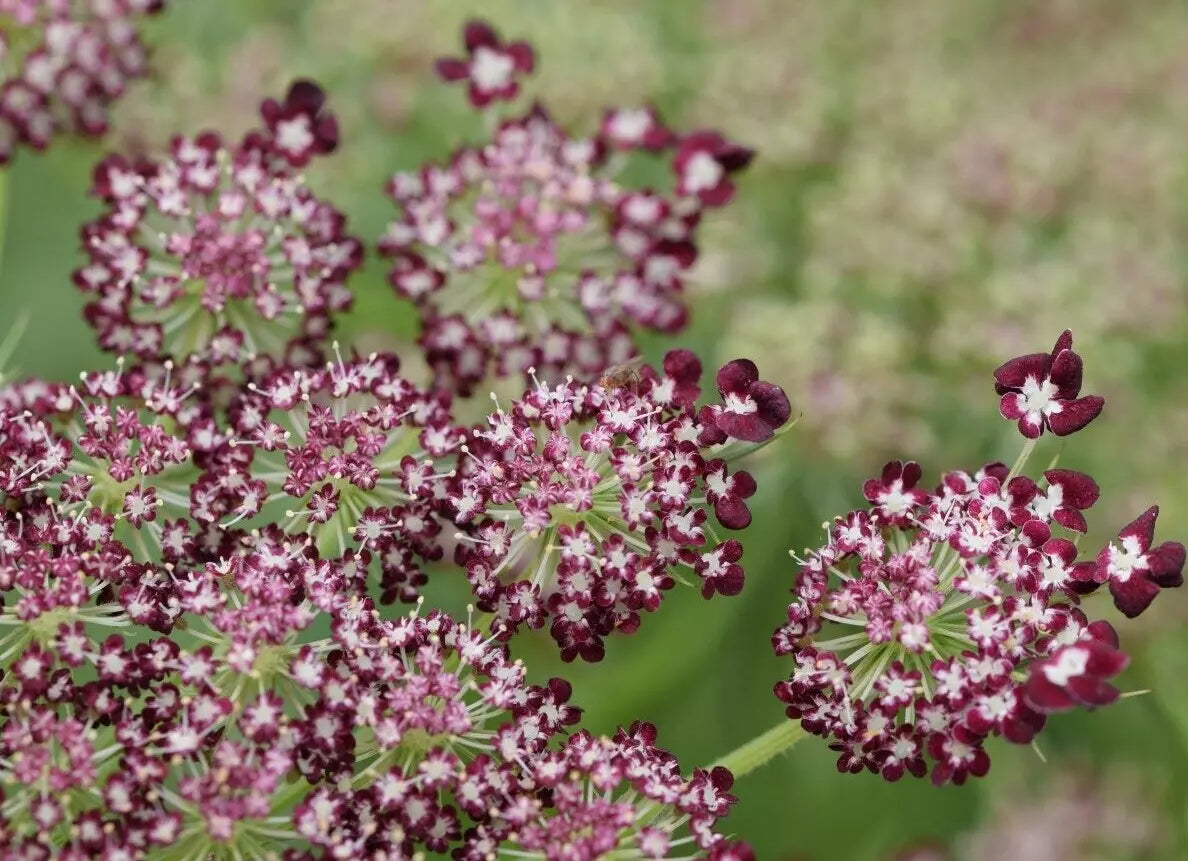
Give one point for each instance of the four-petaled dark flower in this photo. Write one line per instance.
(703, 164)
(491, 65)
(1136, 571)
(1041, 391)
(751, 409)
(1076, 675)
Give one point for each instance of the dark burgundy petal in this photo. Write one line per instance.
(1074, 415)
(911, 474)
(1036, 533)
(731, 550)
(732, 512)
(1134, 595)
(1012, 374)
(1078, 490)
(1092, 692)
(735, 377)
(1030, 428)
(1104, 632)
(773, 403)
(1142, 528)
(1070, 519)
(1105, 661)
(1167, 564)
(1090, 572)
(682, 365)
(305, 96)
(479, 34)
(561, 689)
(730, 583)
(748, 428)
(743, 484)
(1012, 406)
(1066, 371)
(1064, 342)
(522, 55)
(452, 69)
(1045, 697)
(734, 157)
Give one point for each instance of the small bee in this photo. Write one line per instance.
(622, 376)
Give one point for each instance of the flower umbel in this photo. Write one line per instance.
(220, 252)
(585, 503)
(62, 64)
(934, 620)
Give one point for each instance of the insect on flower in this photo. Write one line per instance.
(622, 376)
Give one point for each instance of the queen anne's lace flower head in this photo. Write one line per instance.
(529, 251)
(220, 252)
(931, 621)
(62, 64)
(585, 503)
(351, 454)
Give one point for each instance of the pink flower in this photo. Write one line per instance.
(491, 66)
(1040, 391)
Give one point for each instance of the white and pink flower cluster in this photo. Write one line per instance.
(933, 620)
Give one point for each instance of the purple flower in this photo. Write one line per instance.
(491, 66)
(752, 410)
(1040, 391)
(1075, 675)
(703, 165)
(1134, 569)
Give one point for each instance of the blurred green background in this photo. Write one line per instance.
(939, 186)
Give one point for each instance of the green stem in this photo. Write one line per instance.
(1021, 460)
(3, 216)
(763, 748)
